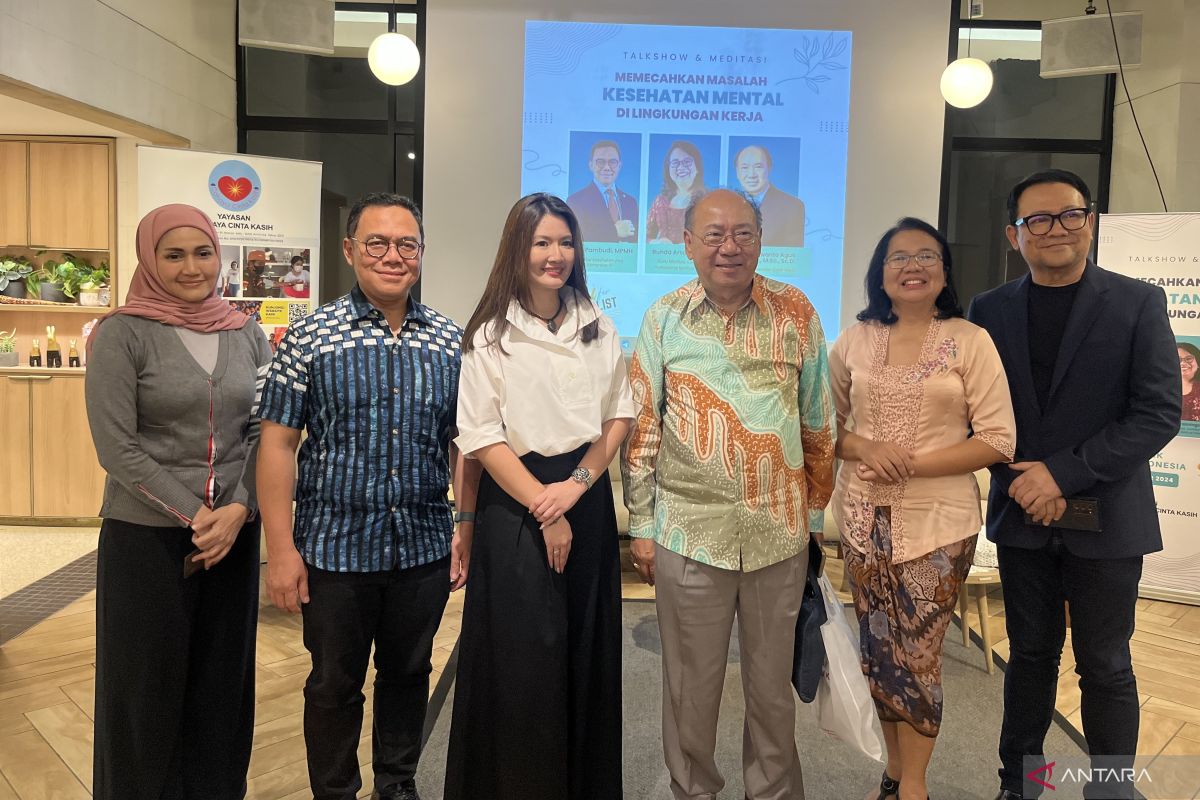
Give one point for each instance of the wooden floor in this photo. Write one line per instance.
(47, 685)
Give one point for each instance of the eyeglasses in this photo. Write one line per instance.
(925, 259)
(740, 238)
(685, 163)
(1187, 361)
(378, 248)
(1040, 224)
(611, 163)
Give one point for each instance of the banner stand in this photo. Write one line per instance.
(267, 212)
(1164, 250)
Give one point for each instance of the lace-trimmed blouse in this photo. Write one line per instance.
(957, 388)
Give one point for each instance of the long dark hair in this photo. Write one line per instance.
(879, 305)
(510, 271)
(668, 187)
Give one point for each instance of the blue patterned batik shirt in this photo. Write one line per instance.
(379, 411)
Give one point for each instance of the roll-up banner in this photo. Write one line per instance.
(1164, 250)
(267, 212)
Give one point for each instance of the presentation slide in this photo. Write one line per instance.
(628, 122)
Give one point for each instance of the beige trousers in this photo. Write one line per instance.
(696, 607)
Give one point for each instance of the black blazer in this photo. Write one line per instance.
(1114, 402)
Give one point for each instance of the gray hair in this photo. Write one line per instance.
(690, 214)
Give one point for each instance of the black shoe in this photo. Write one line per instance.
(402, 793)
(1005, 794)
(888, 787)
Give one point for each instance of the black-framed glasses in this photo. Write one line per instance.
(378, 247)
(681, 163)
(1040, 224)
(740, 238)
(925, 259)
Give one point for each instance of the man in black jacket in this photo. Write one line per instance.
(1094, 375)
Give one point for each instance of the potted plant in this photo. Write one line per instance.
(93, 287)
(58, 281)
(8, 348)
(13, 273)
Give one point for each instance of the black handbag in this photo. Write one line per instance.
(809, 655)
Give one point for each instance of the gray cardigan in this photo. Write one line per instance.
(152, 409)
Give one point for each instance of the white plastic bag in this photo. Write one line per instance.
(844, 706)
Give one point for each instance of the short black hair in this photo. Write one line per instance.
(879, 305)
(604, 143)
(382, 199)
(1047, 176)
(689, 214)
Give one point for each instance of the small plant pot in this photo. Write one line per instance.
(15, 289)
(8, 359)
(52, 292)
(95, 299)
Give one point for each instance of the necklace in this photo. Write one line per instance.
(551, 325)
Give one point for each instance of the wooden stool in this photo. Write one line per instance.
(983, 577)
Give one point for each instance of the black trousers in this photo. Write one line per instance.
(537, 697)
(1102, 594)
(399, 611)
(174, 666)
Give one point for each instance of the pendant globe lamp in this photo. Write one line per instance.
(966, 82)
(392, 57)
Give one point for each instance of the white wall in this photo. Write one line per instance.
(473, 101)
(1166, 97)
(166, 63)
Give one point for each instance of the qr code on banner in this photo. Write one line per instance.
(297, 312)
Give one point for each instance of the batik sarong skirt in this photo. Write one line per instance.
(903, 612)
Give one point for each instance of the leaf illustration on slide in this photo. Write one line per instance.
(817, 57)
(833, 48)
(799, 53)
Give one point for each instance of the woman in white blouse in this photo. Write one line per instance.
(544, 404)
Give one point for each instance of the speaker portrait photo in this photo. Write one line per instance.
(606, 212)
(755, 168)
(683, 158)
(1189, 357)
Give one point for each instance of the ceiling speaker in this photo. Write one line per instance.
(1084, 45)
(298, 26)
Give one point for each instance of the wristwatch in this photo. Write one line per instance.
(582, 475)
(464, 516)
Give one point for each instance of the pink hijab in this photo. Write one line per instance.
(149, 298)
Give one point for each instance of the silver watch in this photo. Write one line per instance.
(582, 475)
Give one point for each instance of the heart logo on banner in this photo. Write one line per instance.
(234, 188)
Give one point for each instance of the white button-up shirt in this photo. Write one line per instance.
(548, 393)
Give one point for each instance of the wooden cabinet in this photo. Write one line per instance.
(56, 193)
(16, 500)
(69, 197)
(14, 193)
(52, 463)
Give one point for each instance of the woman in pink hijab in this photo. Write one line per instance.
(171, 394)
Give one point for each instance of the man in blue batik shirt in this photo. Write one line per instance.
(369, 557)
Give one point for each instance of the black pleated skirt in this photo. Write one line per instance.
(537, 698)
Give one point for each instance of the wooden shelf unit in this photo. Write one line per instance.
(58, 194)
